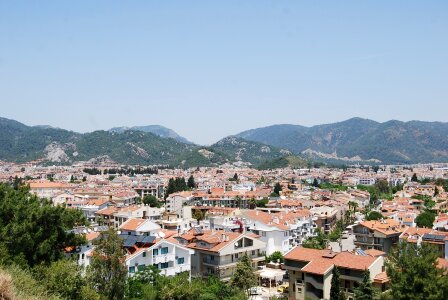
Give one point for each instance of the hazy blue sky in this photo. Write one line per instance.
(208, 69)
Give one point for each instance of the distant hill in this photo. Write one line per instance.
(360, 140)
(21, 143)
(254, 153)
(156, 129)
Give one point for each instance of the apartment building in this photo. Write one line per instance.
(310, 271)
(380, 235)
(217, 253)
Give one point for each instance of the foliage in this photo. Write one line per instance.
(150, 285)
(331, 186)
(425, 219)
(335, 292)
(283, 162)
(317, 242)
(365, 290)
(277, 188)
(64, 278)
(106, 272)
(24, 285)
(199, 215)
(414, 274)
(244, 276)
(414, 178)
(262, 203)
(191, 183)
(32, 230)
(152, 201)
(374, 215)
(276, 256)
(175, 185)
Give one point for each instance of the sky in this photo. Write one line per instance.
(209, 69)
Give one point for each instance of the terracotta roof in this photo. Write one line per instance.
(132, 224)
(321, 261)
(92, 235)
(381, 278)
(387, 226)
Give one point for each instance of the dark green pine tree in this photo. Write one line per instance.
(365, 289)
(277, 188)
(191, 184)
(414, 178)
(335, 292)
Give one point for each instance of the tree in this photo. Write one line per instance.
(436, 191)
(315, 182)
(413, 273)
(414, 178)
(262, 203)
(32, 230)
(198, 215)
(244, 276)
(235, 177)
(383, 186)
(277, 188)
(425, 219)
(191, 184)
(317, 242)
(152, 201)
(136, 284)
(106, 272)
(335, 292)
(63, 277)
(365, 289)
(276, 256)
(374, 215)
(72, 179)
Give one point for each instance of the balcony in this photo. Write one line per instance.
(157, 259)
(316, 281)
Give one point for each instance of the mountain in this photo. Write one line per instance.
(21, 143)
(155, 129)
(254, 153)
(360, 140)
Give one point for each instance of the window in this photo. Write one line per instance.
(180, 260)
(155, 252)
(263, 233)
(164, 265)
(253, 252)
(131, 269)
(164, 250)
(144, 254)
(141, 267)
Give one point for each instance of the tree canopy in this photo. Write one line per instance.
(32, 230)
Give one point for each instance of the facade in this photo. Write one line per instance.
(168, 256)
(217, 253)
(310, 271)
(380, 235)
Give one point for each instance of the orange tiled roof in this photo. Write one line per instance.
(132, 224)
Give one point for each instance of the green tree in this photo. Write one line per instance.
(414, 178)
(414, 274)
(244, 276)
(63, 277)
(374, 215)
(315, 182)
(198, 215)
(425, 219)
(152, 201)
(335, 291)
(383, 186)
(277, 188)
(191, 184)
(262, 203)
(235, 177)
(32, 230)
(317, 242)
(106, 272)
(276, 256)
(136, 284)
(365, 289)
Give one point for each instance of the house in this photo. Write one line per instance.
(380, 235)
(139, 227)
(217, 253)
(439, 239)
(167, 255)
(310, 271)
(280, 231)
(48, 189)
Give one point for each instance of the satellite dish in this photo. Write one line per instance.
(161, 234)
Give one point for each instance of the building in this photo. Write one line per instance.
(218, 252)
(167, 255)
(380, 235)
(310, 271)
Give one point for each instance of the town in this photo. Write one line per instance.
(298, 230)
